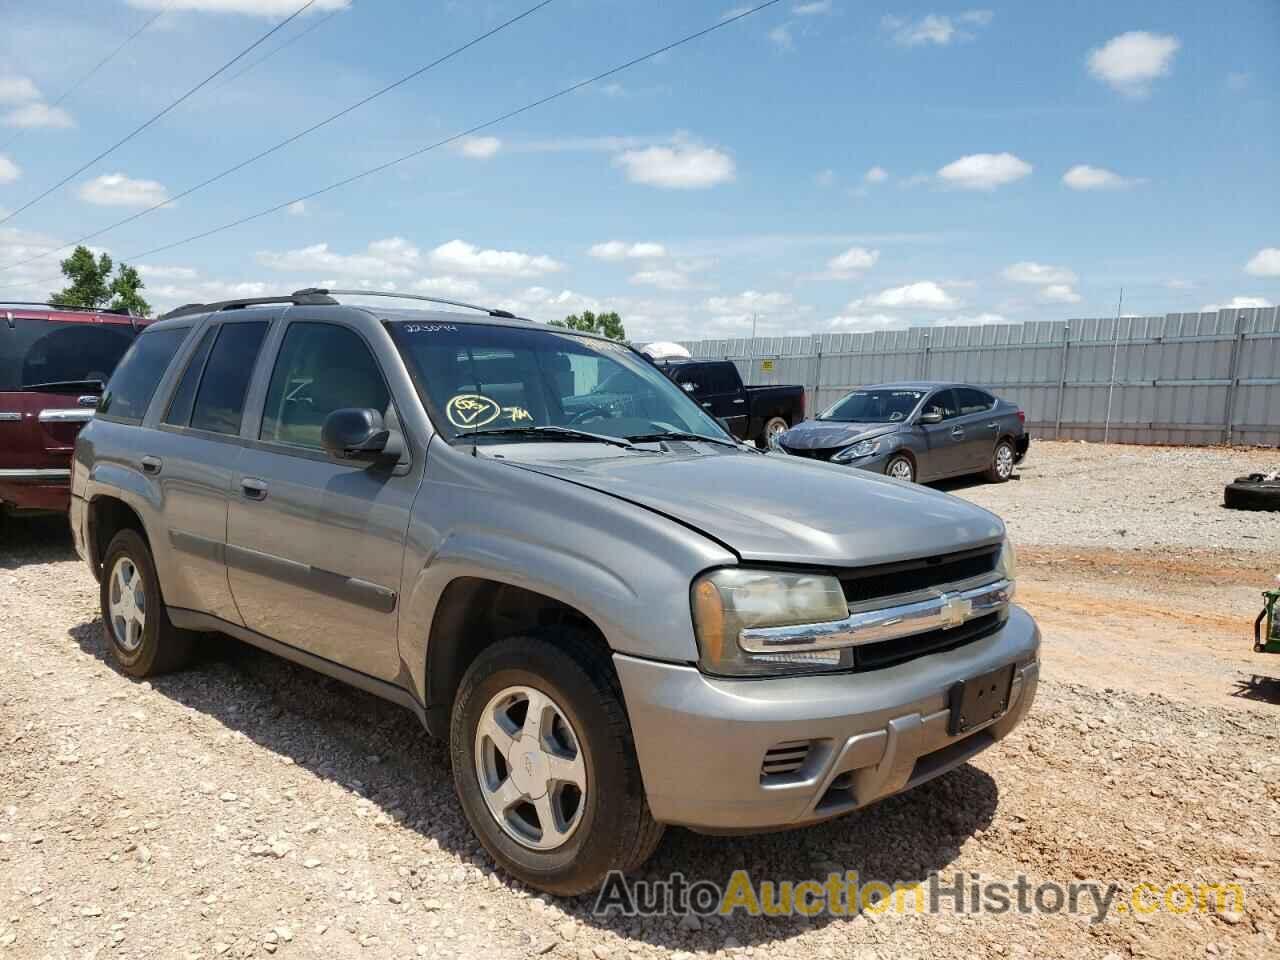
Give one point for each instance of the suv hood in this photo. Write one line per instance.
(821, 434)
(781, 509)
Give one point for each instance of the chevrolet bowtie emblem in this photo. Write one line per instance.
(955, 611)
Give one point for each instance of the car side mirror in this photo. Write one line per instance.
(724, 425)
(355, 433)
(931, 416)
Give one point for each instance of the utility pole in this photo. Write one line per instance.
(1115, 350)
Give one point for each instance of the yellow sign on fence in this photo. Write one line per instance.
(766, 366)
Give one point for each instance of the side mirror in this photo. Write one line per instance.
(930, 416)
(354, 433)
(724, 425)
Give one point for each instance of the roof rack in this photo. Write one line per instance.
(502, 314)
(300, 298)
(68, 308)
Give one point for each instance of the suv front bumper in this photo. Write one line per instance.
(702, 741)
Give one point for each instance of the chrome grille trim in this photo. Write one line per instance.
(945, 609)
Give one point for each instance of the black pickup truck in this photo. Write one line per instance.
(756, 414)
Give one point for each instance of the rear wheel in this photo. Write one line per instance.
(773, 430)
(901, 468)
(142, 639)
(544, 763)
(1002, 461)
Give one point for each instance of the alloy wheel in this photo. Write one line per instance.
(127, 605)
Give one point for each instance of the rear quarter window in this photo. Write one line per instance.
(35, 351)
(131, 387)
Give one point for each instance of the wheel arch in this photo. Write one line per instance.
(107, 516)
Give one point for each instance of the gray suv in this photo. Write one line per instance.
(619, 617)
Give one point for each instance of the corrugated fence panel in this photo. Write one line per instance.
(1184, 378)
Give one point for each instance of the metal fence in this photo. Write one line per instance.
(1184, 378)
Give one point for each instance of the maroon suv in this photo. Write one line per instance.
(53, 363)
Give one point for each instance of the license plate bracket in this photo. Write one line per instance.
(980, 700)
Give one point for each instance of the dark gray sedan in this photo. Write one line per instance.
(920, 430)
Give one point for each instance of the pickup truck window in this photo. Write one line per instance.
(874, 406)
(54, 351)
(477, 377)
(135, 380)
(184, 397)
(219, 404)
(321, 368)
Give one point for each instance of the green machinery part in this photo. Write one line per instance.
(1268, 640)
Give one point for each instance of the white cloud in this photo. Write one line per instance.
(1028, 271)
(17, 89)
(925, 294)
(118, 190)
(478, 148)
(451, 287)
(876, 175)
(467, 258)
(781, 37)
(662, 279)
(854, 323)
(852, 261)
(617, 250)
(748, 302)
(9, 171)
(1265, 263)
(1084, 177)
(985, 171)
(1059, 293)
(1130, 62)
(933, 28)
(150, 272)
(1237, 303)
(297, 208)
(39, 115)
(260, 8)
(972, 320)
(393, 256)
(813, 9)
(683, 167)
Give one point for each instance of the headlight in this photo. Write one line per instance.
(729, 600)
(1007, 562)
(863, 448)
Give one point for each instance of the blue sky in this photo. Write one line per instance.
(828, 166)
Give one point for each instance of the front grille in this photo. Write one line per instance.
(820, 453)
(892, 579)
(874, 656)
(784, 758)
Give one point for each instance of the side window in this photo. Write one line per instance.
(184, 397)
(219, 405)
(973, 401)
(135, 380)
(321, 368)
(944, 401)
(691, 379)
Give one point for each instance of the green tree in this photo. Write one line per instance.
(91, 284)
(606, 324)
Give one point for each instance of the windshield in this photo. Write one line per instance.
(481, 378)
(874, 406)
(38, 351)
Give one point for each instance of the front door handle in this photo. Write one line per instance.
(152, 465)
(707, 404)
(740, 400)
(253, 488)
(957, 432)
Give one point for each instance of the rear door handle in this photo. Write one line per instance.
(707, 404)
(740, 400)
(253, 488)
(957, 432)
(994, 425)
(152, 465)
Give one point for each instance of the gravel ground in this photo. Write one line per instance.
(248, 807)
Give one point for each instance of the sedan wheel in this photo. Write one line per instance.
(900, 468)
(1002, 461)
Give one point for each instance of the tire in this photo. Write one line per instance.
(158, 646)
(900, 468)
(610, 826)
(773, 428)
(1003, 459)
(1248, 494)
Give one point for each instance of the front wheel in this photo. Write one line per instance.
(545, 766)
(901, 468)
(1002, 461)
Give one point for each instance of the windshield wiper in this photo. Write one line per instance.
(548, 433)
(53, 386)
(677, 435)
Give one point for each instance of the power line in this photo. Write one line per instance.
(98, 66)
(276, 49)
(446, 141)
(288, 140)
(137, 130)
